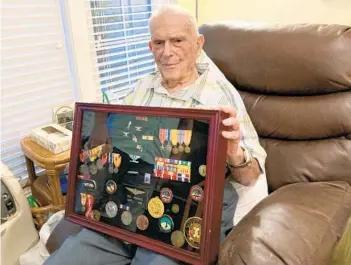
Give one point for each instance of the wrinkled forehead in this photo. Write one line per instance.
(172, 25)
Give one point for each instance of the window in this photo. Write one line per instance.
(35, 73)
(116, 52)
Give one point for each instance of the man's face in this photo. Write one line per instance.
(175, 46)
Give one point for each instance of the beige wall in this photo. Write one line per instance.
(273, 11)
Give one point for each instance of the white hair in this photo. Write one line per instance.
(177, 10)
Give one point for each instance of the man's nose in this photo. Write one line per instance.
(167, 50)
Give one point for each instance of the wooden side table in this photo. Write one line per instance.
(53, 164)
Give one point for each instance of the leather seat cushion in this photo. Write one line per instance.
(296, 225)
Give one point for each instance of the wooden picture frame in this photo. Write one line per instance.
(211, 203)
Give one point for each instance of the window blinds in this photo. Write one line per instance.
(35, 74)
(119, 36)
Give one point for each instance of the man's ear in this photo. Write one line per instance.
(150, 45)
(200, 42)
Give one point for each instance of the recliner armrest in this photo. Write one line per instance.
(297, 224)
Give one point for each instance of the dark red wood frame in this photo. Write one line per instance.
(214, 183)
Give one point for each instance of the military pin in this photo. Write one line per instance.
(202, 170)
(166, 195)
(166, 224)
(192, 231)
(89, 206)
(111, 187)
(111, 209)
(83, 201)
(156, 207)
(147, 178)
(126, 218)
(177, 239)
(93, 169)
(196, 193)
(96, 215)
(142, 222)
(99, 164)
(175, 208)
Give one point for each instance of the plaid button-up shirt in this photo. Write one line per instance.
(210, 89)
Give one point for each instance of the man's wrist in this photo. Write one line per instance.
(236, 159)
(245, 161)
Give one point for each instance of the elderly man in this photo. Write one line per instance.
(186, 77)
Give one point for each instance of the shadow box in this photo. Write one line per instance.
(152, 177)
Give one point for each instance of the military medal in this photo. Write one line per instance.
(96, 215)
(174, 141)
(93, 169)
(126, 218)
(142, 222)
(202, 170)
(192, 231)
(111, 209)
(111, 187)
(168, 137)
(162, 136)
(180, 141)
(83, 201)
(187, 139)
(99, 164)
(166, 195)
(175, 208)
(89, 206)
(110, 161)
(196, 193)
(117, 159)
(166, 223)
(177, 239)
(156, 207)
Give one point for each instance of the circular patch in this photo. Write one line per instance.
(177, 239)
(111, 209)
(126, 218)
(192, 231)
(96, 215)
(142, 222)
(202, 170)
(111, 187)
(156, 207)
(197, 193)
(166, 195)
(175, 208)
(166, 223)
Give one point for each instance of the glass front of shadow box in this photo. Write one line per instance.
(144, 174)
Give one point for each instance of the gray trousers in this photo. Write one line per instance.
(92, 248)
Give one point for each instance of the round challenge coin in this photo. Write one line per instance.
(197, 193)
(166, 195)
(192, 231)
(166, 223)
(175, 208)
(156, 207)
(202, 170)
(177, 239)
(142, 222)
(126, 218)
(111, 187)
(111, 209)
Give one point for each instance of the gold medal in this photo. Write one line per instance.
(175, 208)
(174, 141)
(96, 215)
(187, 140)
(192, 231)
(202, 170)
(177, 239)
(156, 207)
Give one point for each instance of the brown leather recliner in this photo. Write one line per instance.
(296, 84)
